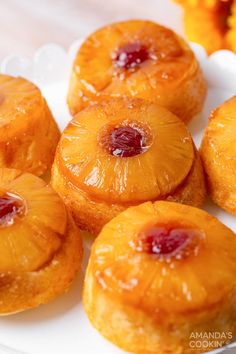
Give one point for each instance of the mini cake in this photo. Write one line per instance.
(158, 273)
(28, 132)
(138, 59)
(218, 152)
(122, 152)
(211, 23)
(40, 246)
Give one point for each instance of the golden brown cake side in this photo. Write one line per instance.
(29, 133)
(193, 190)
(92, 215)
(21, 291)
(218, 151)
(133, 330)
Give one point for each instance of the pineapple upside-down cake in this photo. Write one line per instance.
(40, 245)
(158, 273)
(122, 152)
(218, 151)
(137, 59)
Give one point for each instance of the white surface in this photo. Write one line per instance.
(26, 25)
(62, 327)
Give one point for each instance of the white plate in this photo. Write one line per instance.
(62, 327)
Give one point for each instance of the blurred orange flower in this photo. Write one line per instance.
(212, 23)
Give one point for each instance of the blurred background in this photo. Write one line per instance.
(28, 24)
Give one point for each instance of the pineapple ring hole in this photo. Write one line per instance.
(125, 140)
(130, 55)
(11, 206)
(169, 242)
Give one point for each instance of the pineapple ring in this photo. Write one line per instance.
(210, 23)
(96, 185)
(156, 65)
(218, 152)
(28, 132)
(40, 248)
(160, 298)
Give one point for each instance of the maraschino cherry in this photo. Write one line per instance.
(126, 142)
(131, 55)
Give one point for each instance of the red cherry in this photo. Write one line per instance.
(169, 242)
(162, 241)
(126, 142)
(9, 207)
(131, 55)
